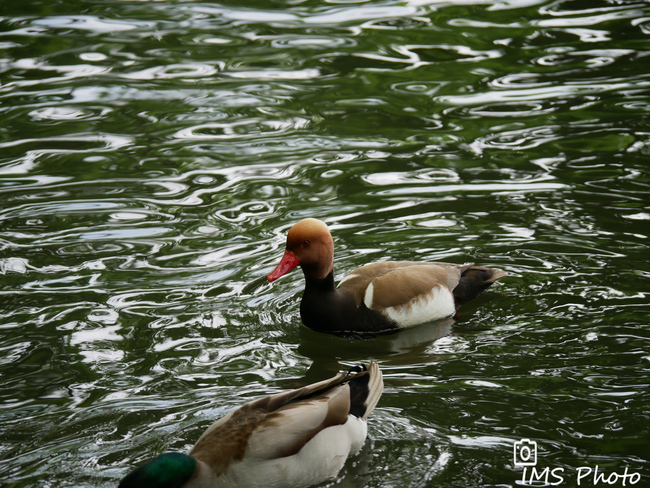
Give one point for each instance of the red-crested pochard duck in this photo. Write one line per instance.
(293, 439)
(376, 298)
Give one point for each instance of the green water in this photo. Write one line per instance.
(154, 154)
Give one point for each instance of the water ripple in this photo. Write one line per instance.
(154, 155)
(242, 129)
(186, 71)
(544, 92)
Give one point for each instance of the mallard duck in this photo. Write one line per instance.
(379, 297)
(288, 440)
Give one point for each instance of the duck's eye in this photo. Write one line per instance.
(305, 243)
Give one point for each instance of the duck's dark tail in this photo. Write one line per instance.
(474, 281)
(365, 390)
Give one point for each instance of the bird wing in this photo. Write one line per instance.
(278, 425)
(285, 431)
(395, 283)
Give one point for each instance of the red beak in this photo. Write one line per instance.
(288, 262)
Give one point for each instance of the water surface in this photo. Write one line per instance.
(154, 154)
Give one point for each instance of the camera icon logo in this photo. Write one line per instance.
(525, 453)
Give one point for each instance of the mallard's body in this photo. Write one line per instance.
(292, 439)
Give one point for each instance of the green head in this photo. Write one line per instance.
(170, 470)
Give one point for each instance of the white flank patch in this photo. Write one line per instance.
(436, 305)
(367, 299)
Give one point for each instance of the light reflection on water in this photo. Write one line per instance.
(155, 154)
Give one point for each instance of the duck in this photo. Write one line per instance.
(377, 298)
(292, 439)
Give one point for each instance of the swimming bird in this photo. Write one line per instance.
(379, 297)
(288, 440)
